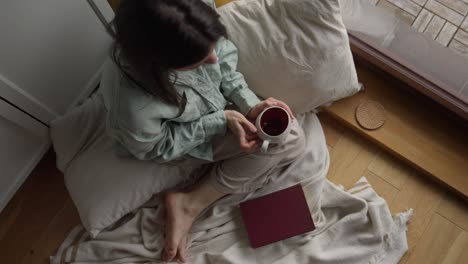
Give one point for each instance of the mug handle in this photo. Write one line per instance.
(264, 146)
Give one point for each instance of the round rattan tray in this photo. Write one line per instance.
(370, 115)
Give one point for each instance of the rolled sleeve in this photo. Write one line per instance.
(245, 99)
(214, 124)
(233, 84)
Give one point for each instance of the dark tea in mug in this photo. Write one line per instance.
(274, 121)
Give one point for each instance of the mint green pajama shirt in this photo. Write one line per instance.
(151, 129)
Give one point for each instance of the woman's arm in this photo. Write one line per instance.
(233, 85)
(235, 88)
(165, 140)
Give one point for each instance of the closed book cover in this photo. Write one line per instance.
(277, 216)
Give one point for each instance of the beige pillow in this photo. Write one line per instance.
(103, 186)
(294, 50)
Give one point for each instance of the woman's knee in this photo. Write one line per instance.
(293, 146)
(296, 140)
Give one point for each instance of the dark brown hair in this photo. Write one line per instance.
(154, 37)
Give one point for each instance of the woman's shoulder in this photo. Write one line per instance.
(131, 104)
(137, 103)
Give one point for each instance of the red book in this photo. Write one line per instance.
(277, 216)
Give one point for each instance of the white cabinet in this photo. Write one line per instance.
(23, 141)
(51, 52)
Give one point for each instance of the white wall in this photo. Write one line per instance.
(50, 50)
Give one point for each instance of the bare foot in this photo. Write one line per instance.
(179, 219)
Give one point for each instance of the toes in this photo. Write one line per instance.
(170, 249)
(173, 241)
(169, 254)
(181, 250)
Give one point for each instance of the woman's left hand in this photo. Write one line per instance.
(257, 109)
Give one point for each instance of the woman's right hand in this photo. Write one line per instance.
(243, 129)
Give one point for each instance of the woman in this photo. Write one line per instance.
(177, 77)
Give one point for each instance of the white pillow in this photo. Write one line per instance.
(103, 186)
(294, 50)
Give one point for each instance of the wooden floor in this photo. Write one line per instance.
(438, 231)
(416, 130)
(41, 214)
